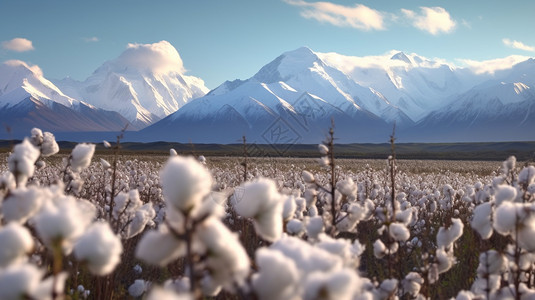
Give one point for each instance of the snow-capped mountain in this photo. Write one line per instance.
(144, 84)
(28, 99)
(496, 110)
(296, 94)
(365, 96)
(415, 84)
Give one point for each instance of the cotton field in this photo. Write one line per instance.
(82, 226)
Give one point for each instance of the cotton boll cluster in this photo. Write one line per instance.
(22, 161)
(62, 220)
(16, 241)
(309, 272)
(81, 156)
(185, 183)
(100, 248)
(46, 142)
(261, 201)
(193, 229)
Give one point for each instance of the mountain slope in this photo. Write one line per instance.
(28, 100)
(290, 100)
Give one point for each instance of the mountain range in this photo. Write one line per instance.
(292, 99)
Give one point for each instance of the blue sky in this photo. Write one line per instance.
(224, 40)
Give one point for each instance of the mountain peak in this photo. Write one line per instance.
(287, 64)
(401, 56)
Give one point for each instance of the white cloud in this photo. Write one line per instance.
(518, 45)
(93, 39)
(161, 58)
(358, 16)
(493, 65)
(434, 20)
(18, 45)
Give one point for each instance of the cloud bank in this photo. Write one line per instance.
(518, 45)
(358, 16)
(18, 45)
(434, 20)
(159, 58)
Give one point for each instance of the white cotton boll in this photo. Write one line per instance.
(22, 161)
(313, 211)
(399, 232)
(100, 248)
(49, 145)
(180, 285)
(465, 295)
(15, 242)
(46, 287)
(482, 285)
(314, 227)
(226, 259)
(404, 216)
(412, 283)
(357, 248)
(22, 204)
(63, 219)
(526, 176)
(18, 281)
(172, 152)
(379, 249)
(307, 258)
(269, 224)
(105, 164)
(278, 277)
(505, 193)
(444, 260)
(386, 289)
(106, 144)
(347, 223)
(324, 161)
(295, 227)
(137, 288)
(81, 156)
(253, 197)
(202, 159)
(324, 150)
(137, 269)
(185, 182)
(311, 197)
(342, 284)
(300, 206)
(506, 217)
(347, 188)
(525, 236)
(261, 201)
(142, 216)
(481, 221)
(36, 136)
(491, 262)
(308, 177)
(168, 249)
(289, 208)
(447, 236)
(119, 204)
(158, 293)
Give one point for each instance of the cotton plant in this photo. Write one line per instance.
(59, 222)
(193, 230)
(310, 271)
